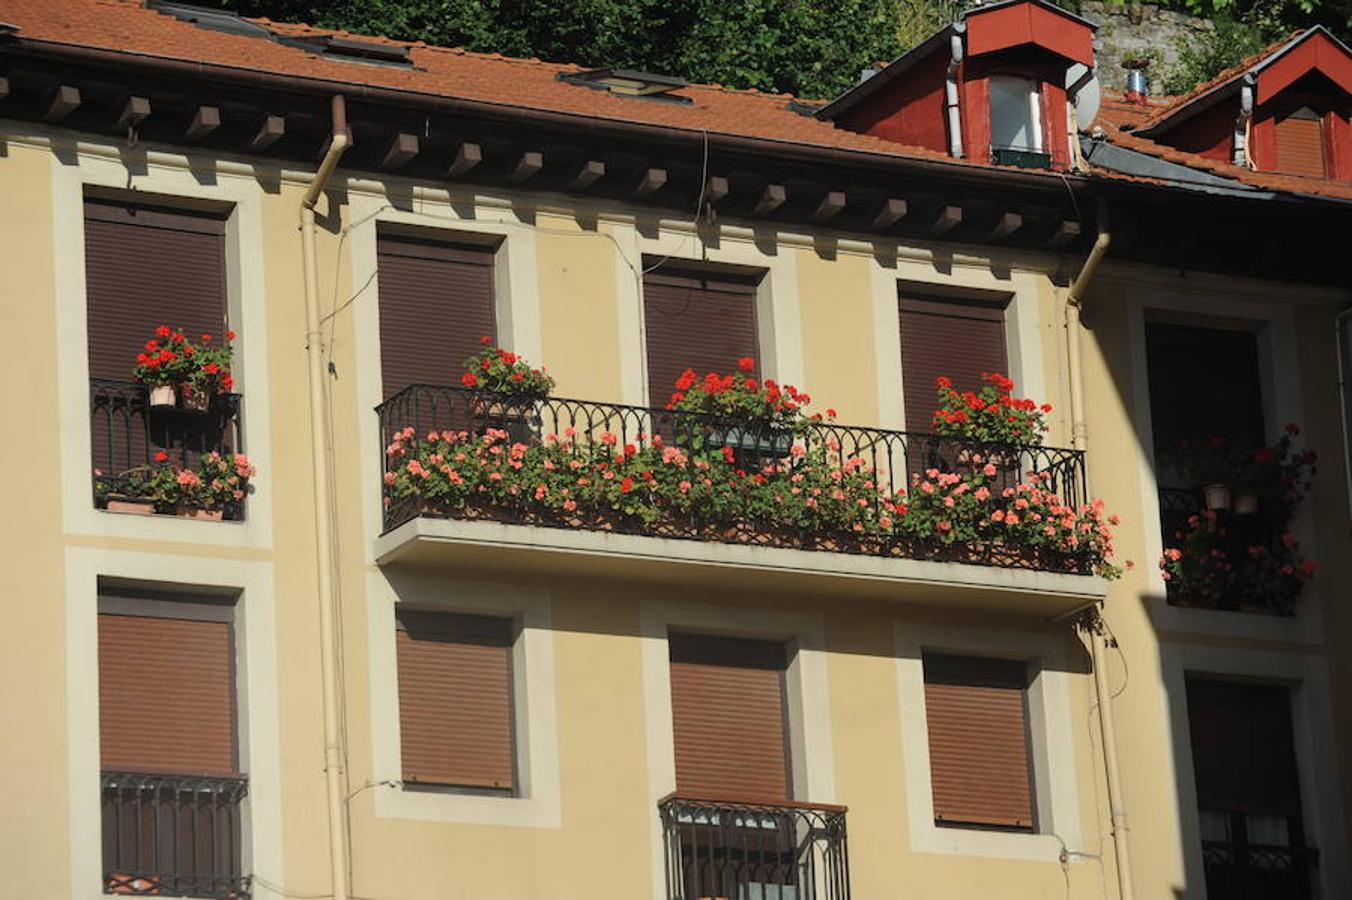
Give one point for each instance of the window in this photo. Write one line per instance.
(436, 302)
(1300, 143)
(958, 338)
(728, 718)
(1016, 114)
(980, 764)
(172, 791)
(147, 266)
(1248, 796)
(696, 320)
(456, 719)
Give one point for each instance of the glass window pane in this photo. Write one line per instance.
(1012, 113)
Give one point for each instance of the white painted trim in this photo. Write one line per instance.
(256, 683)
(168, 176)
(629, 305)
(812, 756)
(516, 295)
(887, 346)
(539, 802)
(1282, 403)
(1051, 730)
(1319, 767)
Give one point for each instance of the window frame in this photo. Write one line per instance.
(1033, 94)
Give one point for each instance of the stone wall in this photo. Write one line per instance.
(1129, 30)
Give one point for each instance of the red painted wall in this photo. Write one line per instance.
(909, 110)
(1028, 23)
(1050, 73)
(1210, 133)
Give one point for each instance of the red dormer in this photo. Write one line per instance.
(1285, 110)
(993, 87)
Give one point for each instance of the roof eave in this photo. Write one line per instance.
(895, 69)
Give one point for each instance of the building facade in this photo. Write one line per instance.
(307, 673)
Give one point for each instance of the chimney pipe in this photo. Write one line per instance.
(1138, 79)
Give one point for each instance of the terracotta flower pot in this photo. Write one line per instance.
(163, 395)
(196, 512)
(121, 883)
(138, 506)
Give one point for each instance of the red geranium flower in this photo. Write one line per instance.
(746, 364)
(469, 379)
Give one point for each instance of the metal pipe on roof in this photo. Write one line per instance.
(1241, 155)
(326, 539)
(951, 91)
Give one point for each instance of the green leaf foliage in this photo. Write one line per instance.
(811, 49)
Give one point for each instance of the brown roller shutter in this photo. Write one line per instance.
(455, 700)
(166, 697)
(1300, 144)
(727, 703)
(1243, 751)
(956, 338)
(978, 736)
(146, 267)
(694, 322)
(436, 302)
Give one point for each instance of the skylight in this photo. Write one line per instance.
(629, 83)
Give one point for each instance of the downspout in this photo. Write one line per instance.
(1074, 301)
(1093, 622)
(1341, 337)
(951, 92)
(1241, 155)
(333, 749)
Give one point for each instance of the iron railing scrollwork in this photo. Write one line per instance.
(173, 835)
(1241, 868)
(754, 851)
(893, 456)
(126, 433)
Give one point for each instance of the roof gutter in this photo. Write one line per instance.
(1241, 155)
(327, 87)
(955, 45)
(326, 538)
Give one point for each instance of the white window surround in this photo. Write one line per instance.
(1023, 332)
(537, 804)
(255, 680)
(1279, 366)
(807, 699)
(515, 285)
(1317, 762)
(778, 317)
(1016, 113)
(165, 177)
(1051, 733)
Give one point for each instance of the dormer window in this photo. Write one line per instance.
(1300, 143)
(1016, 122)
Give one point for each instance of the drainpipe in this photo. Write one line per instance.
(1092, 622)
(333, 749)
(1074, 301)
(951, 92)
(1241, 155)
(1341, 337)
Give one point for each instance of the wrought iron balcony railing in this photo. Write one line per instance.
(754, 851)
(173, 835)
(126, 433)
(891, 458)
(1241, 869)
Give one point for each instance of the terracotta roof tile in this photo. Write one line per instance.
(128, 26)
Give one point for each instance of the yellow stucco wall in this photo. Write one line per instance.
(603, 842)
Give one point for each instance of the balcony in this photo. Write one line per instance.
(1241, 868)
(734, 531)
(173, 835)
(754, 851)
(130, 438)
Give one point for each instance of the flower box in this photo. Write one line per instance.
(512, 414)
(194, 400)
(196, 512)
(138, 506)
(761, 439)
